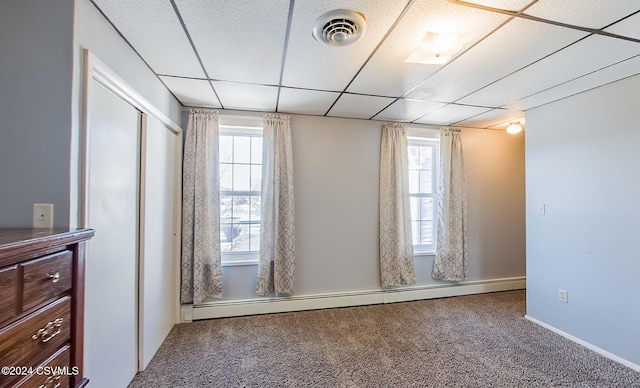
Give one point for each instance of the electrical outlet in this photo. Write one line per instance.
(43, 215)
(540, 209)
(563, 296)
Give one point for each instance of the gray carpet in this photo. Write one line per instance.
(470, 341)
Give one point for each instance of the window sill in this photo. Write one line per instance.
(424, 254)
(239, 259)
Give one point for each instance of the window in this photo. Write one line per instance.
(240, 180)
(423, 170)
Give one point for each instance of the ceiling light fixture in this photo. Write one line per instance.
(514, 128)
(436, 48)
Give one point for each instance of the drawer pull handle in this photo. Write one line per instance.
(51, 330)
(51, 380)
(55, 277)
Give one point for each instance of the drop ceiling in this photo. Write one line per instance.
(261, 55)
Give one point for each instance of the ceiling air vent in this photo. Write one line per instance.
(339, 27)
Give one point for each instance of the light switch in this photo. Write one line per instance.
(540, 210)
(43, 215)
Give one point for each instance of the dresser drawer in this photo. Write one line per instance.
(8, 293)
(54, 372)
(46, 277)
(51, 328)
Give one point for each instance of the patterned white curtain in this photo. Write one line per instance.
(452, 250)
(201, 269)
(396, 245)
(276, 271)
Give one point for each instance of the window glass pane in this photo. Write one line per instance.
(414, 181)
(256, 150)
(426, 154)
(256, 177)
(241, 178)
(415, 232)
(226, 149)
(226, 236)
(426, 184)
(241, 207)
(226, 209)
(254, 240)
(240, 171)
(241, 238)
(426, 232)
(241, 149)
(426, 208)
(226, 176)
(414, 157)
(255, 208)
(414, 202)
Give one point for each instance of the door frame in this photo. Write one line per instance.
(96, 70)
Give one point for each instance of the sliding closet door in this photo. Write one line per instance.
(111, 330)
(158, 216)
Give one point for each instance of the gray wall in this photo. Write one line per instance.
(336, 164)
(582, 161)
(35, 116)
(41, 80)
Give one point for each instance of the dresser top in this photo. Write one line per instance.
(20, 241)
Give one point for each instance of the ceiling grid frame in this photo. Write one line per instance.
(619, 68)
(195, 50)
(386, 35)
(407, 92)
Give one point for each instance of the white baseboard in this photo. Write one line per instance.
(233, 308)
(586, 344)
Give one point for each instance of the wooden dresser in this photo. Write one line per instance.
(42, 307)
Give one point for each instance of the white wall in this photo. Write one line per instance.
(92, 31)
(35, 120)
(582, 158)
(158, 298)
(336, 165)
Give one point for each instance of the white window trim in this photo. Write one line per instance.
(240, 126)
(240, 258)
(427, 136)
(425, 133)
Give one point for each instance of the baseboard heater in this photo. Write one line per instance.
(233, 308)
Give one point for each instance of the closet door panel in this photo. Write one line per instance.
(158, 299)
(111, 327)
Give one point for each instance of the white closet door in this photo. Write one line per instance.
(158, 297)
(111, 339)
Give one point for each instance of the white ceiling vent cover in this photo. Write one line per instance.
(339, 27)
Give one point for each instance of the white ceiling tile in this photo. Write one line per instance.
(387, 74)
(311, 64)
(192, 92)
(408, 110)
(517, 44)
(313, 102)
(590, 54)
(246, 96)
(585, 13)
(240, 40)
(357, 106)
(491, 118)
(153, 29)
(450, 114)
(589, 81)
(510, 5)
(628, 27)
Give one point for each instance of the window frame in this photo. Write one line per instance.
(245, 130)
(422, 137)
